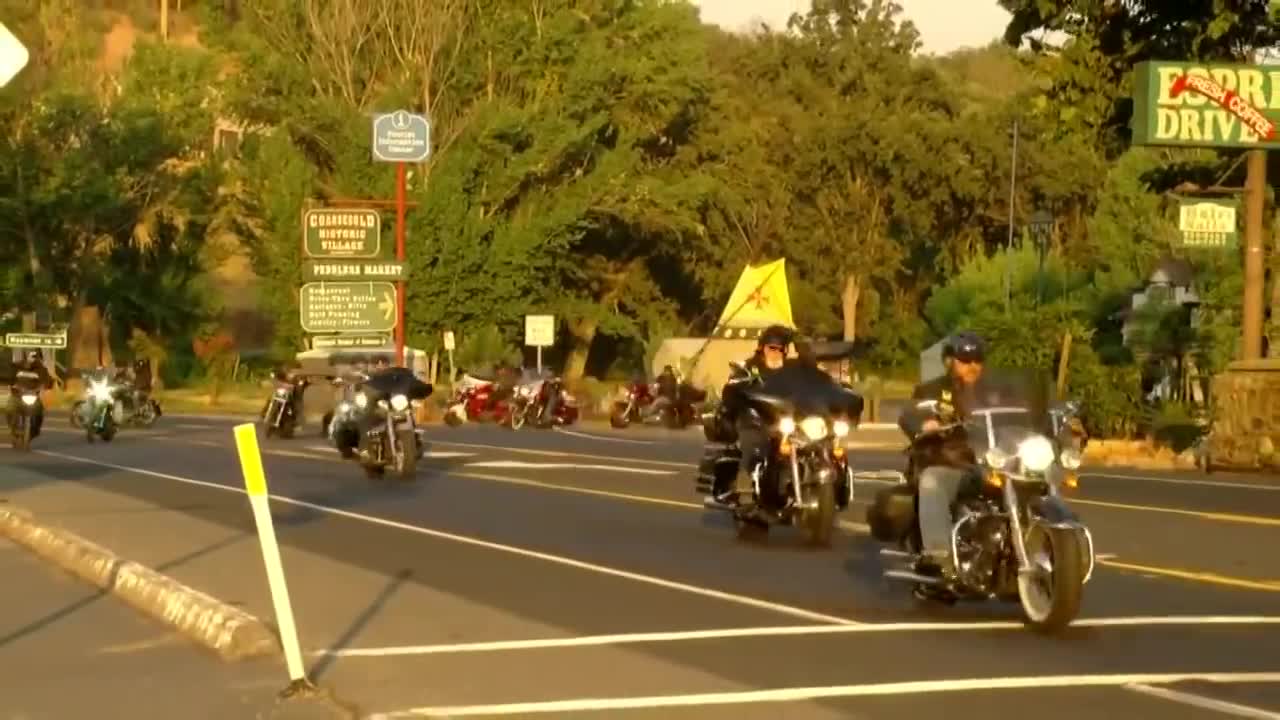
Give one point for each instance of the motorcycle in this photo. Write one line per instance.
(530, 401)
(382, 434)
(1014, 538)
(102, 409)
(805, 478)
(679, 413)
(344, 414)
(281, 416)
(139, 411)
(473, 399)
(25, 406)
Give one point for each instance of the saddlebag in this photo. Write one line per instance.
(892, 513)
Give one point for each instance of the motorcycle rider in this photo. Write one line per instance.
(34, 365)
(667, 387)
(289, 375)
(941, 480)
(770, 354)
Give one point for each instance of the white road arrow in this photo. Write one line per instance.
(13, 55)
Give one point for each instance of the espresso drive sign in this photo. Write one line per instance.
(1196, 105)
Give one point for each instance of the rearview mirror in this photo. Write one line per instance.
(738, 365)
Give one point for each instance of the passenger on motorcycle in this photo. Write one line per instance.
(941, 480)
(753, 441)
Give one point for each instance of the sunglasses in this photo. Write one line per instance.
(775, 348)
(968, 358)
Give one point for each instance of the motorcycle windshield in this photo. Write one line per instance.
(1004, 408)
(801, 388)
(396, 381)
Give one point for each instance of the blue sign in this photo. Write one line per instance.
(401, 137)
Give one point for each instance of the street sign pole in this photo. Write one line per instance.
(400, 137)
(400, 172)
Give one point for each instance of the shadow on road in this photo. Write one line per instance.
(361, 621)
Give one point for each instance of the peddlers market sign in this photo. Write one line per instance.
(1196, 105)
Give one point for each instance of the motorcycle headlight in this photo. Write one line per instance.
(1070, 459)
(399, 402)
(787, 425)
(282, 393)
(344, 407)
(997, 458)
(1036, 453)
(100, 391)
(840, 428)
(814, 427)
(362, 400)
(30, 399)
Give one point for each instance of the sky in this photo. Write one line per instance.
(944, 25)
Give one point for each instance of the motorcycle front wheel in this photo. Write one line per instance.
(407, 463)
(820, 521)
(621, 416)
(1051, 597)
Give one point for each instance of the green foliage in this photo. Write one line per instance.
(484, 348)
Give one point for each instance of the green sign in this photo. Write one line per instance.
(1197, 105)
(325, 270)
(1207, 223)
(36, 340)
(342, 233)
(320, 342)
(348, 307)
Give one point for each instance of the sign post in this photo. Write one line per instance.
(450, 344)
(347, 307)
(540, 332)
(1191, 104)
(255, 483)
(54, 341)
(400, 137)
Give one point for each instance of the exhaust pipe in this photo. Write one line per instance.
(890, 552)
(710, 503)
(912, 577)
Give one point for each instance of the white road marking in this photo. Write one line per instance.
(603, 438)
(565, 466)
(477, 542)
(783, 630)
(561, 454)
(1186, 481)
(1204, 703)
(191, 426)
(845, 691)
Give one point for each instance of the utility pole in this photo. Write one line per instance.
(164, 20)
(1254, 255)
(1013, 186)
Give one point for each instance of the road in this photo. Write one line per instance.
(586, 564)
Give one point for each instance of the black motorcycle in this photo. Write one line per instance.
(381, 433)
(281, 414)
(805, 478)
(26, 409)
(1014, 538)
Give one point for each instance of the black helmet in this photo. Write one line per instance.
(965, 346)
(35, 355)
(779, 335)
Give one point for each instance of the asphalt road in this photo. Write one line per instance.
(598, 533)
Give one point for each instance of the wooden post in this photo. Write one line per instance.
(1254, 255)
(1062, 363)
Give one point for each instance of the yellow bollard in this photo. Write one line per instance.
(255, 483)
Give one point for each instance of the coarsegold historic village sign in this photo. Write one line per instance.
(1225, 106)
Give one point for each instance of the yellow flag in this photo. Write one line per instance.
(760, 299)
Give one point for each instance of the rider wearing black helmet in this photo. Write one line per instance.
(939, 481)
(771, 352)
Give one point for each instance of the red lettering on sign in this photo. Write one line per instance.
(1228, 100)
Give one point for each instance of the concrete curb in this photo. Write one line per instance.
(230, 632)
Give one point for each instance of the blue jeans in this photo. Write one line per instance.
(939, 485)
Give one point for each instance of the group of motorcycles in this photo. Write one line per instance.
(534, 399)
(1014, 539)
(107, 406)
(373, 423)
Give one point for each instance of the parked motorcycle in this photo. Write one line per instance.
(806, 476)
(382, 433)
(26, 409)
(636, 405)
(475, 399)
(1014, 538)
(532, 398)
(281, 415)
